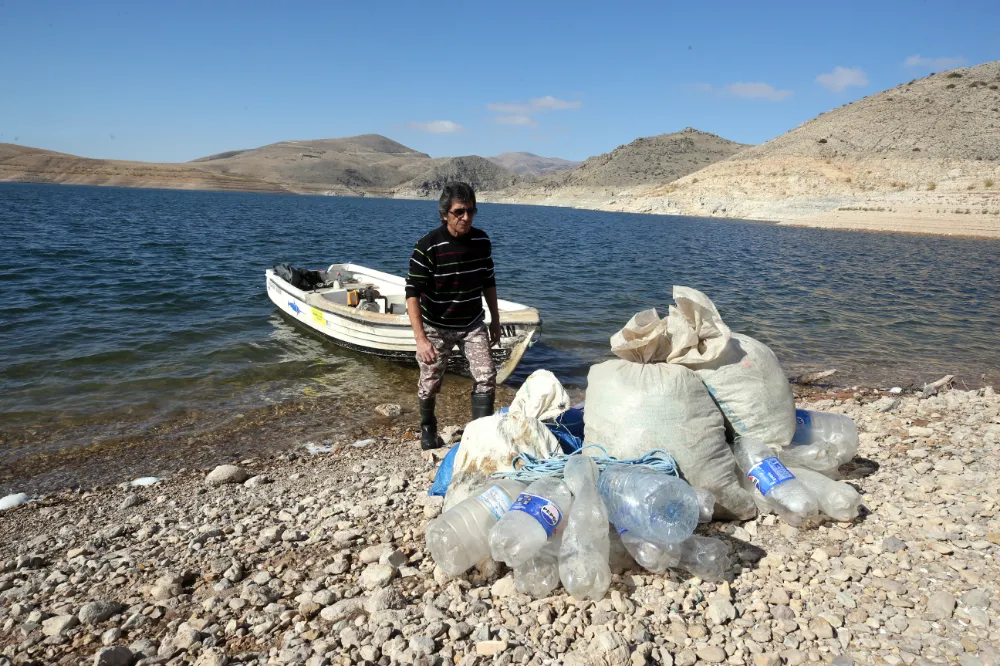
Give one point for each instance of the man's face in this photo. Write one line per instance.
(460, 217)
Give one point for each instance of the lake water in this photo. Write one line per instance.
(128, 306)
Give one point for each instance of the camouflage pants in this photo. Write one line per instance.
(474, 343)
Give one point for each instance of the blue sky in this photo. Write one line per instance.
(175, 81)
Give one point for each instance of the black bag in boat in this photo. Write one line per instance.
(300, 278)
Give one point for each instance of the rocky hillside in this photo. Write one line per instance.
(927, 147)
(529, 165)
(648, 160)
(481, 173)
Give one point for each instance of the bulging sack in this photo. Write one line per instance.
(491, 443)
(752, 391)
(633, 408)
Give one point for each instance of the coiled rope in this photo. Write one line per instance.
(528, 468)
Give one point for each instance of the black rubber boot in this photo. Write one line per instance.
(482, 405)
(428, 426)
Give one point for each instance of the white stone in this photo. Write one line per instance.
(226, 474)
(10, 501)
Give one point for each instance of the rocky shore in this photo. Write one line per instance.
(320, 559)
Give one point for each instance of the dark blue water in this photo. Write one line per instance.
(140, 302)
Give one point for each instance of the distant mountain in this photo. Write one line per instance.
(481, 173)
(530, 165)
(648, 160)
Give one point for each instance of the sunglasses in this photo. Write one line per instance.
(459, 212)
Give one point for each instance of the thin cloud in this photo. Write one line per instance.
(934, 63)
(437, 126)
(757, 90)
(524, 121)
(547, 103)
(842, 78)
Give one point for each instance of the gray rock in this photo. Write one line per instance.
(186, 636)
(385, 599)
(345, 609)
(389, 410)
(98, 611)
(118, 655)
(212, 657)
(224, 474)
(721, 610)
(394, 558)
(886, 404)
(374, 553)
(376, 576)
(893, 544)
(59, 625)
(940, 605)
(712, 654)
(976, 599)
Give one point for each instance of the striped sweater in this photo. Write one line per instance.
(449, 275)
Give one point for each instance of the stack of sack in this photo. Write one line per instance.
(690, 386)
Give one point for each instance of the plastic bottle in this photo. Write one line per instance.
(705, 557)
(652, 506)
(537, 513)
(459, 538)
(836, 499)
(822, 441)
(706, 505)
(781, 491)
(583, 557)
(540, 575)
(652, 556)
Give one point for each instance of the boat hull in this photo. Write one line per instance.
(390, 336)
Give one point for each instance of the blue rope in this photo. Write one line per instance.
(528, 468)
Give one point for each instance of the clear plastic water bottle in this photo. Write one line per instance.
(459, 538)
(822, 441)
(651, 505)
(706, 505)
(836, 499)
(583, 557)
(534, 517)
(781, 491)
(705, 557)
(540, 575)
(652, 556)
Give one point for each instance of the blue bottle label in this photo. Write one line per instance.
(545, 511)
(768, 473)
(803, 423)
(620, 530)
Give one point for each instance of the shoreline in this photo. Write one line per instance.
(943, 225)
(321, 560)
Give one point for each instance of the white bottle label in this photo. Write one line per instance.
(496, 500)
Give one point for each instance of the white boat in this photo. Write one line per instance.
(365, 310)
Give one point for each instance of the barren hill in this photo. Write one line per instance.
(920, 155)
(34, 165)
(481, 173)
(530, 165)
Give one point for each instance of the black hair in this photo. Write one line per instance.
(452, 191)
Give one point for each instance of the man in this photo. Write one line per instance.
(451, 271)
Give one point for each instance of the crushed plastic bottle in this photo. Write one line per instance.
(536, 515)
(780, 490)
(652, 506)
(583, 557)
(459, 538)
(706, 557)
(652, 556)
(706, 505)
(822, 441)
(836, 499)
(540, 575)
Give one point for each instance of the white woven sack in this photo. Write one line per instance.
(752, 391)
(633, 408)
(491, 443)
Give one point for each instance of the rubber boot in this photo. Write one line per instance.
(428, 426)
(482, 405)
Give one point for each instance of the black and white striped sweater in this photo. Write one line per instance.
(449, 274)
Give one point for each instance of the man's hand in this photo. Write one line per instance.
(494, 333)
(426, 353)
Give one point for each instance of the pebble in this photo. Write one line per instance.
(490, 648)
(118, 655)
(224, 474)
